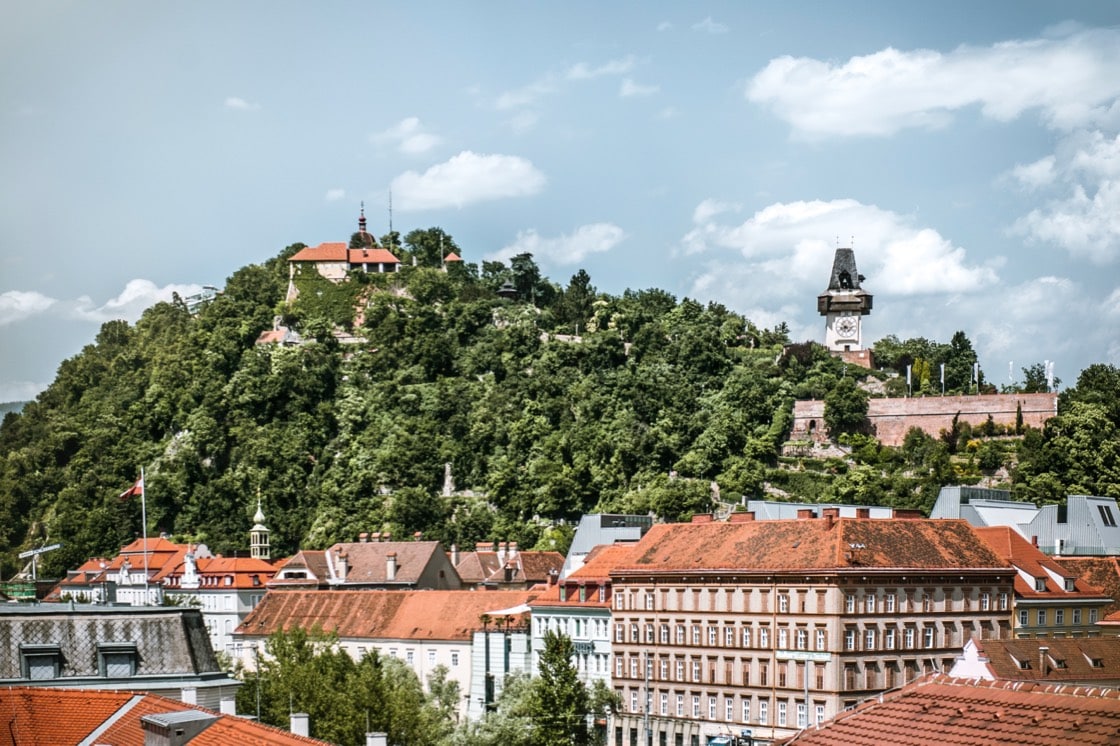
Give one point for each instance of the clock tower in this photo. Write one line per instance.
(844, 304)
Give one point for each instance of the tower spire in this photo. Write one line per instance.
(362, 219)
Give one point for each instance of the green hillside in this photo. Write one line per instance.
(336, 437)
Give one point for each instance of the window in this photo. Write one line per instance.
(410, 656)
(763, 712)
(633, 701)
(680, 705)
(763, 673)
(711, 708)
(764, 637)
(869, 604)
(620, 633)
(1077, 616)
(649, 601)
(820, 639)
(1041, 617)
(680, 634)
(820, 714)
(850, 604)
(889, 601)
(985, 601)
(618, 666)
(1003, 602)
(728, 637)
(695, 705)
(746, 637)
(869, 639)
(1069, 585)
(850, 639)
(909, 638)
(1040, 585)
(454, 657)
(711, 636)
(783, 638)
(783, 604)
(781, 714)
(680, 670)
(1092, 616)
(802, 639)
(1059, 616)
(40, 662)
(802, 715)
(1023, 620)
(431, 657)
(117, 660)
(888, 638)
(633, 668)
(728, 709)
(696, 634)
(695, 670)
(664, 634)
(649, 633)
(663, 669)
(1106, 515)
(634, 633)
(927, 637)
(746, 710)
(664, 704)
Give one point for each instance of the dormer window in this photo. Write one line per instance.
(1024, 665)
(1040, 585)
(1069, 585)
(40, 662)
(1058, 662)
(117, 660)
(1106, 515)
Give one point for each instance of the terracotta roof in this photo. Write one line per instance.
(1013, 546)
(372, 256)
(1100, 572)
(367, 561)
(1068, 658)
(395, 615)
(486, 566)
(452, 257)
(324, 252)
(214, 571)
(313, 561)
(595, 573)
(41, 716)
(603, 559)
(937, 709)
(812, 543)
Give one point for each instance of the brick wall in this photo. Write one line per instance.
(892, 418)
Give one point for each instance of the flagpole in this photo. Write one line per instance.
(144, 528)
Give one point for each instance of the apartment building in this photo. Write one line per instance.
(775, 625)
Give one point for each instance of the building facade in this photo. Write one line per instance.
(775, 625)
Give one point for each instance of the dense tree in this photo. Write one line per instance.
(561, 705)
(845, 408)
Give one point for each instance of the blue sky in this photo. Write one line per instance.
(968, 151)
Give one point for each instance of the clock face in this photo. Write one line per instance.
(846, 326)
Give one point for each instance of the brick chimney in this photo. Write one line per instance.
(863, 512)
(391, 566)
(363, 537)
(343, 565)
(744, 517)
(805, 513)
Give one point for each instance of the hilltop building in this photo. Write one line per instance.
(773, 625)
(333, 260)
(844, 304)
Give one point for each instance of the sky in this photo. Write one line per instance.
(968, 152)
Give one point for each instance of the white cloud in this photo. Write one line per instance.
(664, 26)
(584, 71)
(526, 96)
(784, 246)
(17, 305)
(1071, 80)
(1035, 175)
(465, 179)
(334, 195)
(408, 136)
(240, 104)
(572, 248)
(630, 88)
(710, 27)
(1083, 215)
(137, 296)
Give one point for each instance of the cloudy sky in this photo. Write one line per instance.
(719, 150)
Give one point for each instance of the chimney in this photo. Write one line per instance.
(1034, 541)
(744, 517)
(376, 536)
(702, 518)
(863, 512)
(386, 536)
(343, 565)
(508, 572)
(391, 566)
(228, 706)
(553, 576)
(483, 546)
(363, 537)
(512, 549)
(803, 513)
(301, 724)
(502, 547)
(1042, 651)
(454, 555)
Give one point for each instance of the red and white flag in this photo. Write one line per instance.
(136, 489)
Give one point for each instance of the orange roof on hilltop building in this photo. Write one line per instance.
(1011, 545)
(813, 544)
(325, 252)
(938, 709)
(395, 615)
(41, 716)
(452, 257)
(375, 255)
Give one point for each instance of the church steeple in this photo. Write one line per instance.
(258, 535)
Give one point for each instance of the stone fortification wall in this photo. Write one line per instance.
(892, 418)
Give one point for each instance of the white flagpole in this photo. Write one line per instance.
(144, 528)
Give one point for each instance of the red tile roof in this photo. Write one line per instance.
(1067, 658)
(595, 573)
(41, 716)
(1100, 572)
(812, 544)
(367, 562)
(324, 252)
(372, 256)
(395, 615)
(940, 710)
(1012, 546)
(213, 572)
(452, 257)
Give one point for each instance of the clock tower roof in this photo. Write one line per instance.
(844, 294)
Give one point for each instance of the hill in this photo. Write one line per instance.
(559, 401)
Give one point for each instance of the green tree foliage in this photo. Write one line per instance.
(560, 705)
(845, 408)
(307, 671)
